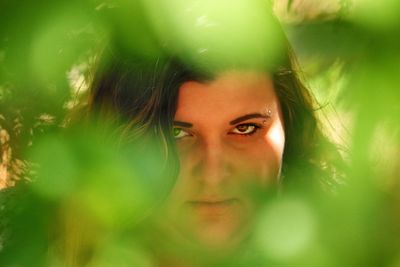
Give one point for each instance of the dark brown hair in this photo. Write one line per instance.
(310, 157)
(142, 95)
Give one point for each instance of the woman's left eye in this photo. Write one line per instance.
(245, 129)
(179, 133)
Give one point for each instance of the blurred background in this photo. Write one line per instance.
(349, 53)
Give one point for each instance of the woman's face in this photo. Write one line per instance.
(230, 138)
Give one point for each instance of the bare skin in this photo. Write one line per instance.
(230, 140)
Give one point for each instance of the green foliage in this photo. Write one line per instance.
(87, 182)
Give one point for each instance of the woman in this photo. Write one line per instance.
(237, 129)
(237, 134)
(239, 125)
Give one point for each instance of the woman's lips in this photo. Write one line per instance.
(212, 202)
(211, 208)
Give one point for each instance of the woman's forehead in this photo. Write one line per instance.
(229, 85)
(229, 93)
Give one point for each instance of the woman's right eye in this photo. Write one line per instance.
(179, 133)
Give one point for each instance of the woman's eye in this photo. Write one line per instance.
(179, 133)
(245, 129)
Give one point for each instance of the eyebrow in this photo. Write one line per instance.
(183, 124)
(235, 121)
(247, 117)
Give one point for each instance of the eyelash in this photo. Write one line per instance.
(179, 129)
(256, 126)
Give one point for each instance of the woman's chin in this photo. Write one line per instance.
(215, 227)
(217, 237)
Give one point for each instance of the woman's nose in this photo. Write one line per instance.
(212, 167)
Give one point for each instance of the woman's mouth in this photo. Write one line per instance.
(213, 208)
